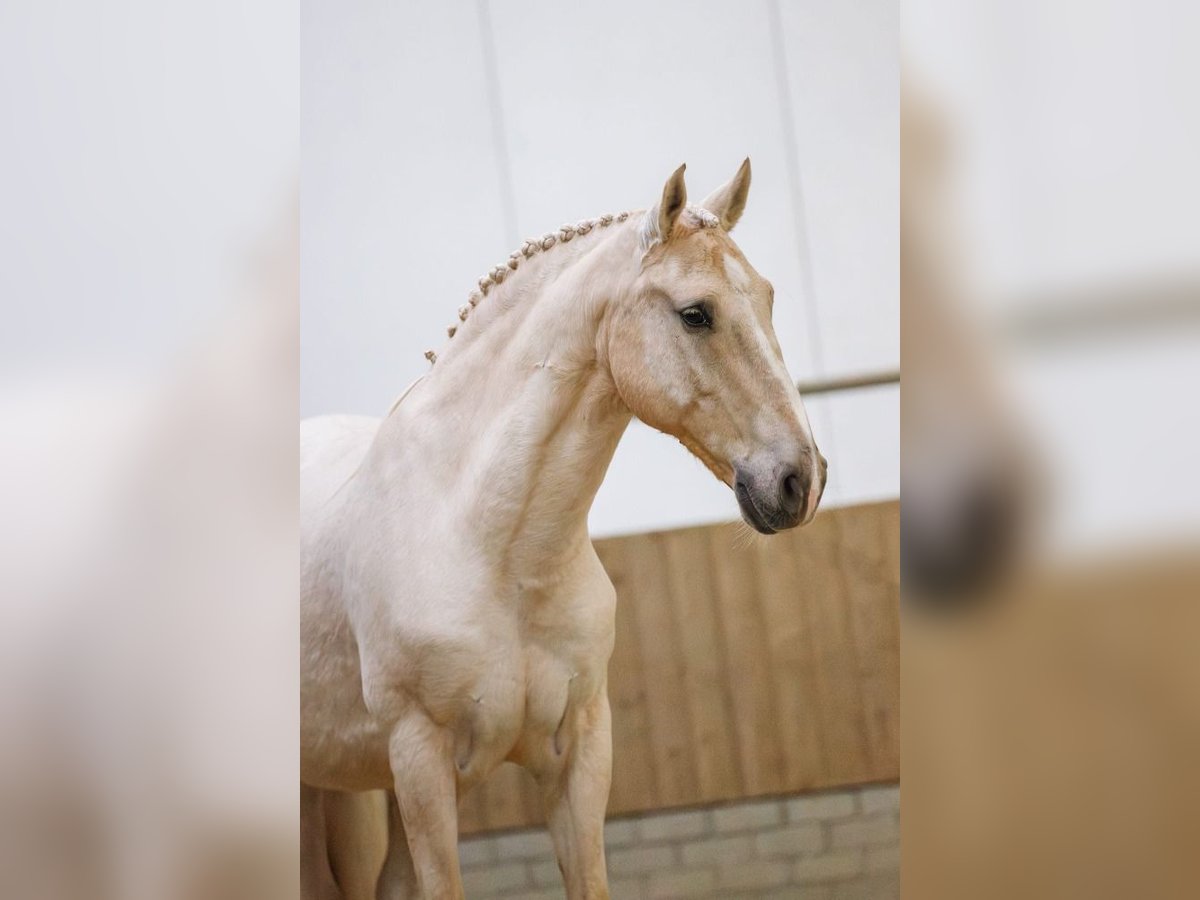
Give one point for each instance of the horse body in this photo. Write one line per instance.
(490, 652)
(454, 612)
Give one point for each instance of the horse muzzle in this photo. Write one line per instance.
(782, 495)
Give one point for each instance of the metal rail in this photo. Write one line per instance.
(848, 382)
(1167, 305)
(1164, 306)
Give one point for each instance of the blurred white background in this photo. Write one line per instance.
(1071, 133)
(147, 153)
(437, 136)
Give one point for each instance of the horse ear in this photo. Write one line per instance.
(728, 202)
(661, 219)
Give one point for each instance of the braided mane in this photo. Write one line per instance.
(701, 217)
(532, 246)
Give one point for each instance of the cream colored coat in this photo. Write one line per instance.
(454, 614)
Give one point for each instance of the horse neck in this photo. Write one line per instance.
(517, 422)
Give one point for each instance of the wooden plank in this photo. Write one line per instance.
(889, 529)
(871, 602)
(662, 671)
(532, 799)
(505, 791)
(499, 807)
(838, 704)
(748, 663)
(688, 566)
(635, 785)
(881, 714)
(790, 631)
(874, 617)
(472, 812)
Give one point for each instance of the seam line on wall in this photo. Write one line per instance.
(491, 71)
(791, 155)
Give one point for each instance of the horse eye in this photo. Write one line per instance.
(696, 317)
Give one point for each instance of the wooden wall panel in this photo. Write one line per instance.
(790, 642)
(743, 666)
(704, 675)
(635, 777)
(748, 666)
(662, 672)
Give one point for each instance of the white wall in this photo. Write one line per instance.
(436, 136)
(146, 147)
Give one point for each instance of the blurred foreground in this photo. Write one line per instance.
(148, 410)
(1051, 504)
(1050, 739)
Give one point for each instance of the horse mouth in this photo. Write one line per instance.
(749, 511)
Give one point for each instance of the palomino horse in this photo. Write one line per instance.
(454, 614)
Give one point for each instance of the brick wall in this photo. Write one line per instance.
(831, 846)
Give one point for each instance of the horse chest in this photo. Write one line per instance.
(528, 687)
(500, 665)
(522, 696)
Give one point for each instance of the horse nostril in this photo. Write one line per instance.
(791, 485)
(792, 491)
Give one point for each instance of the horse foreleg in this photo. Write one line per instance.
(316, 877)
(398, 881)
(422, 759)
(575, 795)
(356, 827)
